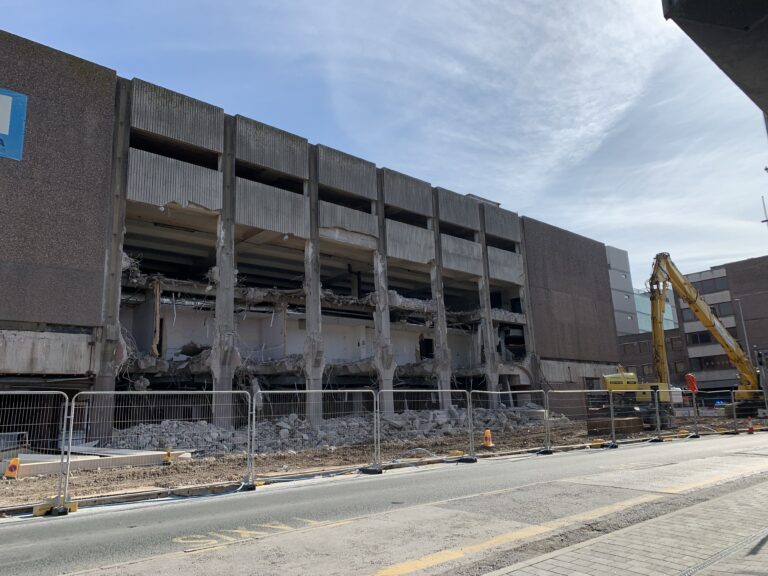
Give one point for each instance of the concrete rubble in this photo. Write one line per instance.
(295, 433)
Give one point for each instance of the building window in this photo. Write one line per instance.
(632, 369)
(628, 348)
(676, 343)
(706, 363)
(679, 367)
(647, 370)
(643, 347)
(688, 315)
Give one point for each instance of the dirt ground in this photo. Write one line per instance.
(233, 468)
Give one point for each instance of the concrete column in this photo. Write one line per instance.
(225, 357)
(111, 344)
(384, 357)
(442, 360)
(314, 359)
(490, 336)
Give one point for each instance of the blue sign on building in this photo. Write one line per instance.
(13, 120)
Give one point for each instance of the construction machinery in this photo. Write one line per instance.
(748, 397)
(632, 398)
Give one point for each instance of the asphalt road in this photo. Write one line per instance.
(398, 517)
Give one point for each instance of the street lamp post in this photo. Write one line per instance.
(744, 329)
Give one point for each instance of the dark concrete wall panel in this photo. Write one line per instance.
(502, 223)
(406, 192)
(268, 208)
(410, 243)
(458, 209)
(271, 148)
(345, 172)
(569, 294)
(172, 115)
(55, 203)
(158, 180)
(748, 281)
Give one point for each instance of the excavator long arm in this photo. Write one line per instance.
(665, 272)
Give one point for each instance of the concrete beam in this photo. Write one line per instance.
(314, 357)
(225, 357)
(490, 337)
(384, 357)
(111, 344)
(442, 358)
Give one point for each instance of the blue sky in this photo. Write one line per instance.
(596, 116)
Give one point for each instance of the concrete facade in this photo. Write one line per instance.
(183, 244)
(622, 291)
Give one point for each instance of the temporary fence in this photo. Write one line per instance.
(158, 439)
(32, 444)
(313, 430)
(509, 421)
(101, 442)
(582, 417)
(425, 423)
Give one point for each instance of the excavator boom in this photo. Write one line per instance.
(666, 273)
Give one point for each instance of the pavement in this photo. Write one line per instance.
(681, 507)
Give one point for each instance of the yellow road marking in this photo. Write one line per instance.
(454, 554)
(222, 536)
(243, 533)
(199, 539)
(277, 526)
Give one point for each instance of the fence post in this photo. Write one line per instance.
(695, 417)
(470, 416)
(69, 445)
(658, 437)
(735, 410)
(63, 458)
(547, 428)
(613, 443)
(250, 483)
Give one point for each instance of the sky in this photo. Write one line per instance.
(596, 116)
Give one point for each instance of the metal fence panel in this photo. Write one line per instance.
(419, 427)
(32, 446)
(313, 430)
(121, 441)
(515, 420)
(638, 415)
(580, 417)
(712, 412)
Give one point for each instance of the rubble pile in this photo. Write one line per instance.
(201, 437)
(293, 433)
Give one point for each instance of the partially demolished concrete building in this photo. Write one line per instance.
(148, 239)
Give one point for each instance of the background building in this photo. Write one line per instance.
(151, 239)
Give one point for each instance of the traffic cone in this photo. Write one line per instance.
(12, 471)
(750, 428)
(487, 439)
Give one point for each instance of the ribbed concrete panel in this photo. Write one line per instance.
(159, 111)
(348, 173)
(158, 180)
(505, 266)
(502, 223)
(407, 192)
(269, 208)
(458, 209)
(410, 243)
(269, 147)
(46, 353)
(462, 255)
(334, 216)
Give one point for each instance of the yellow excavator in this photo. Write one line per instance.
(748, 395)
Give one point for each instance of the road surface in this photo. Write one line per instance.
(456, 519)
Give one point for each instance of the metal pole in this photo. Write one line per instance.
(695, 417)
(547, 428)
(744, 329)
(470, 411)
(251, 428)
(63, 441)
(69, 447)
(613, 421)
(658, 417)
(735, 407)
